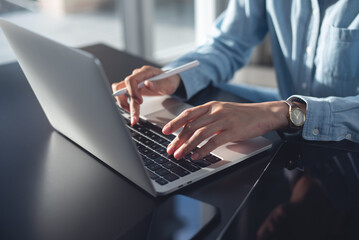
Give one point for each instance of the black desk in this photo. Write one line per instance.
(52, 189)
(309, 191)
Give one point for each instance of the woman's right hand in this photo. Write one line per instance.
(133, 100)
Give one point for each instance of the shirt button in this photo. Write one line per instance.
(315, 131)
(308, 50)
(348, 136)
(304, 85)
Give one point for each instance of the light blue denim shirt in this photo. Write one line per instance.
(315, 48)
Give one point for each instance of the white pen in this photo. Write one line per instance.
(164, 75)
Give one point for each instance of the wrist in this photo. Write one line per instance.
(278, 115)
(176, 83)
(180, 91)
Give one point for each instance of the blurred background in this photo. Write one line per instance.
(158, 30)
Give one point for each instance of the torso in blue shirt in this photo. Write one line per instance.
(315, 48)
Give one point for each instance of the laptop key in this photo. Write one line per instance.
(162, 171)
(145, 151)
(160, 160)
(139, 137)
(189, 166)
(146, 132)
(171, 157)
(212, 159)
(140, 147)
(201, 162)
(171, 177)
(163, 141)
(161, 150)
(158, 130)
(169, 165)
(133, 133)
(138, 127)
(154, 167)
(157, 138)
(161, 181)
(166, 143)
(152, 155)
(179, 161)
(152, 175)
(180, 171)
(153, 127)
(153, 136)
(154, 145)
(147, 161)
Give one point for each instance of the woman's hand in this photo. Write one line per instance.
(162, 87)
(224, 122)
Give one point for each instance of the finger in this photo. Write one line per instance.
(146, 72)
(156, 88)
(134, 92)
(199, 136)
(188, 131)
(132, 88)
(149, 88)
(137, 70)
(118, 85)
(213, 143)
(122, 100)
(135, 98)
(135, 112)
(138, 76)
(185, 117)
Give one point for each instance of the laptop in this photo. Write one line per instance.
(76, 97)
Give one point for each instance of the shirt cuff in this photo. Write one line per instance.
(318, 119)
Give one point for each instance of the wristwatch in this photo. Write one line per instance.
(296, 117)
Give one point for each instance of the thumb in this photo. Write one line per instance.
(151, 86)
(155, 88)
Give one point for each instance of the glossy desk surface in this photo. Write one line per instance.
(52, 189)
(308, 192)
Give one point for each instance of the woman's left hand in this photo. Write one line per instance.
(224, 122)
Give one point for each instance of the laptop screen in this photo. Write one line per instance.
(308, 192)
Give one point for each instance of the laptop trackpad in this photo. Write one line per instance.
(161, 110)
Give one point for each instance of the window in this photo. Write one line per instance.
(75, 23)
(161, 30)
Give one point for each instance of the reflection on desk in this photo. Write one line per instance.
(308, 192)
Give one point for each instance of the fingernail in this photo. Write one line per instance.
(195, 156)
(133, 120)
(149, 84)
(178, 154)
(170, 149)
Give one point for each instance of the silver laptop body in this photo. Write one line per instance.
(75, 95)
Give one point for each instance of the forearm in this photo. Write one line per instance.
(228, 47)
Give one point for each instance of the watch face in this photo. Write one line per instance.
(297, 117)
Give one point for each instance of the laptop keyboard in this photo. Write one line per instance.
(163, 168)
